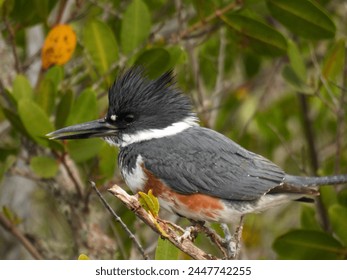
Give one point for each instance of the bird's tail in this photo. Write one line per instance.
(302, 181)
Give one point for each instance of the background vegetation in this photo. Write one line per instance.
(270, 74)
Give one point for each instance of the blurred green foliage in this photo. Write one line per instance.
(270, 74)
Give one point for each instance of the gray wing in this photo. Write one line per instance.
(201, 160)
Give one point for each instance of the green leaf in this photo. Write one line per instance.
(22, 88)
(136, 25)
(303, 17)
(328, 195)
(63, 109)
(156, 61)
(252, 63)
(296, 61)
(83, 150)
(44, 167)
(55, 74)
(334, 61)
(338, 219)
(342, 197)
(11, 215)
(259, 37)
(45, 96)
(31, 12)
(295, 81)
(177, 56)
(84, 108)
(6, 163)
(308, 244)
(35, 121)
(308, 218)
(166, 250)
(101, 45)
(15, 121)
(107, 161)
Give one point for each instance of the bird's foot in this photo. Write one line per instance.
(189, 233)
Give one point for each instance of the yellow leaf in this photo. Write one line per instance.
(155, 201)
(83, 257)
(59, 46)
(149, 202)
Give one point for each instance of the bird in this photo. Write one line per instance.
(195, 172)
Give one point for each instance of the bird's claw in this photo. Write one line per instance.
(189, 234)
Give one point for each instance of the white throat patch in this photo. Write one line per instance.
(149, 134)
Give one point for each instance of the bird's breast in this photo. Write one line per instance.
(134, 176)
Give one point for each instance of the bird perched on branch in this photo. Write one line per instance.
(195, 172)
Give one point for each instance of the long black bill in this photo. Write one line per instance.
(97, 128)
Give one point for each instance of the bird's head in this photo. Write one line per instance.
(139, 109)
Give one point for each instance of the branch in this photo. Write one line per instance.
(10, 227)
(218, 90)
(62, 6)
(161, 227)
(119, 220)
(201, 24)
(313, 155)
(340, 129)
(70, 173)
(12, 39)
(309, 133)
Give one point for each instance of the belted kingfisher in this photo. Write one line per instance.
(195, 172)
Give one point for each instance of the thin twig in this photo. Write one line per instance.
(201, 24)
(62, 6)
(313, 155)
(214, 237)
(265, 93)
(12, 39)
(120, 221)
(10, 227)
(220, 76)
(340, 129)
(309, 133)
(69, 172)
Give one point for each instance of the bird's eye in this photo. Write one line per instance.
(129, 118)
(113, 118)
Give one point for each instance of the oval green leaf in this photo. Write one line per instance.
(304, 18)
(338, 218)
(101, 45)
(308, 218)
(107, 161)
(136, 25)
(308, 245)
(21, 88)
(342, 197)
(259, 37)
(84, 108)
(15, 121)
(55, 74)
(156, 61)
(35, 121)
(63, 109)
(334, 61)
(166, 250)
(83, 150)
(296, 61)
(44, 167)
(45, 95)
(291, 76)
